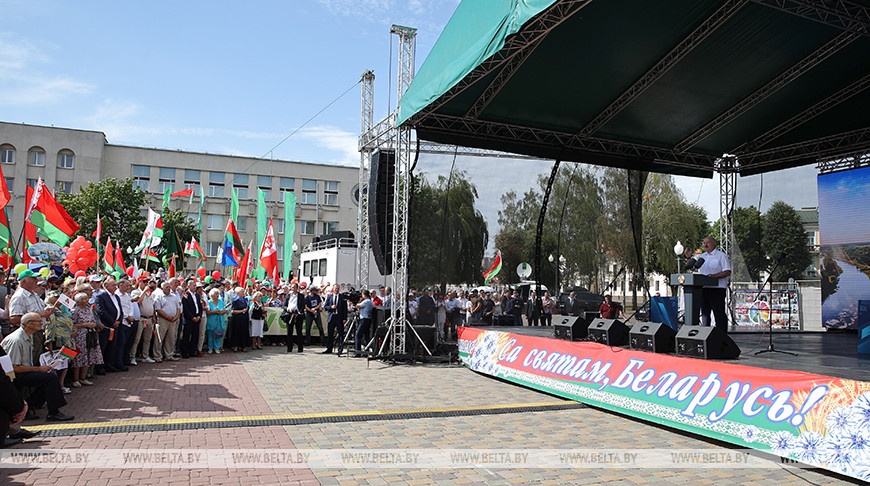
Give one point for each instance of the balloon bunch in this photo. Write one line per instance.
(80, 255)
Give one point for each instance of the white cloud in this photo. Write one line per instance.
(24, 84)
(337, 140)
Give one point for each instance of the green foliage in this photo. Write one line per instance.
(784, 240)
(118, 203)
(448, 236)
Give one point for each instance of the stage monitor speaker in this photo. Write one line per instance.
(573, 328)
(381, 191)
(652, 336)
(427, 334)
(706, 342)
(611, 332)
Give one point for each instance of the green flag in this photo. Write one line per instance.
(173, 247)
(201, 204)
(262, 223)
(289, 231)
(166, 196)
(234, 207)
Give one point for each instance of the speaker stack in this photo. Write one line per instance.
(611, 332)
(706, 342)
(381, 191)
(652, 336)
(573, 328)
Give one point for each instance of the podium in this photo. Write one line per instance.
(692, 284)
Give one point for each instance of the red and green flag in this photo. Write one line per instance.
(120, 266)
(150, 255)
(7, 245)
(29, 240)
(68, 353)
(193, 249)
(98, 233)
(494, 269)
(5, 197)
(109, 257)
(153, 233)
(52, 220)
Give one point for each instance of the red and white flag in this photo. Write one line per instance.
(269, 253)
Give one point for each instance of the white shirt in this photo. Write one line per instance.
(126, 306)
(715, 262)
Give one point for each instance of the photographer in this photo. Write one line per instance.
(366, 310)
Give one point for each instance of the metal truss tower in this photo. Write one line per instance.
(365, 153)
(727, 168)
(407, 46)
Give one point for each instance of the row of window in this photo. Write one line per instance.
(61, 186)
(240, 182)
(218, 222)
(36, 156)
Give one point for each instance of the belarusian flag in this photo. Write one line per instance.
(149, 254)
(245, 265)
(98, 233)
(185, 193)
(29, 240)
(109, 257)
(233, 248)
(153, 231)
(50, 217)
(68, 353)
(119, 261)
(7, 246)
(5, 197)
(193, 249)
(269, 253)
(494, 269)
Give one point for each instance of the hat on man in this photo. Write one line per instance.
(27, 273)
(95, 278)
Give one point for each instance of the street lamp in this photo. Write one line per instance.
(553, 261)
(678, 250)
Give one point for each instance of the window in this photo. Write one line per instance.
(811, 238)
(10, 184)
(191, 176)
(267, 194)
(280, 252)
(307, 228)
(322, 271)
(330, 193)
(279, 225)
(264, 183)
(216, 181)
(7, 154)
(240, 183)
(141, 176)
(37, 157)
(65, 187)
(329, 227)
(241, 192)
(657, 285)
(167, 179)
(212, 248)
(242, 223)
(214, 222)
(309, 191)
(306, 269)
(32, 183)
(192, 218)
(65, 159)
(286, 184)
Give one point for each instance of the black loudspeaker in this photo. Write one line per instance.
(503, 320)
(652, 336)
(573, 328)
(706, 342)
(427, 334)
(611, 332)
(381, 190)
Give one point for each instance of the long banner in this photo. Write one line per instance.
(813, 419)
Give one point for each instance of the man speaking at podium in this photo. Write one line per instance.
(715, 264)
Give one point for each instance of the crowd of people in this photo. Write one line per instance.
(60, 334)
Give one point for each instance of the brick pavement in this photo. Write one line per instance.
(272, 381)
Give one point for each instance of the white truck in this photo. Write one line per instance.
(333, 261)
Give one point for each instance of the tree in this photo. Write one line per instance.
(747, 256)
(119, 204)
(448, 236)
(785, 242)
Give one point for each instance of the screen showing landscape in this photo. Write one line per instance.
(844, 227)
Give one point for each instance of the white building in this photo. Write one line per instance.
(67, 159)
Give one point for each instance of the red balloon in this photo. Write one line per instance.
(82, 262)
(130, 271)
(73, 267)
(72, 254)
(80, 273)
(216, 275)
(147, 274)
(201, 271)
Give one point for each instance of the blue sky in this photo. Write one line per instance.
(238, 77)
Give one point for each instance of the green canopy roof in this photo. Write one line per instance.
(668, 86)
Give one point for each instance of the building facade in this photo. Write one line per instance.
(67, 159)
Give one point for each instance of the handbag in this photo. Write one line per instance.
(91, 340)
(218, 333)
(265, 325)
(286, 316)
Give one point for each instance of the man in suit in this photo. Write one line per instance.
(336, 317)
(572, 307)
(515, 308)
(295, 304)
(191, 306)
(111, 315)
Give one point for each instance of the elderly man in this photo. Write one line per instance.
(130, 324)
(336, 317)
(19, 347)
(192, 307)
(716, 265)
(141, 297)
(294, 303)
(168, 308)
(113, 334)
(26, 299)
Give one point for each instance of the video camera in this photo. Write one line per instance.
(353, 296)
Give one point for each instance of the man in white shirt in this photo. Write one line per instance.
(715, 265)
(295, 304)
(168, 309)
(146, 321)
(129, 323)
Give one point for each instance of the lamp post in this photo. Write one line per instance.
(294, 249)
(678, 251)
(552, 260)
